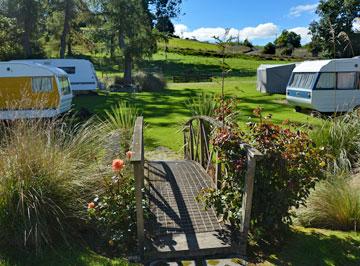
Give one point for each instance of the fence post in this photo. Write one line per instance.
(252, 157)
(138, 163)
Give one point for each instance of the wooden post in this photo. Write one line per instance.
(191, 142)
(138, 162)
(217, 169)
(202, 144)
(253, 155)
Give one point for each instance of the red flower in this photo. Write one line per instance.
(129, 154)
(91, 205)
(118, 165)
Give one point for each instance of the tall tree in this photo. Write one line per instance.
(288, 39)
(28, 14)
(336, 16)
(69, 12)
(130, 23)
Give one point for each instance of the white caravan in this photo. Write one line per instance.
(81, 72)
(325, 85)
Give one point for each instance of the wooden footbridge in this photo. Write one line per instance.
(178, 226)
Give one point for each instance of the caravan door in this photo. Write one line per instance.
(324, 93)
(347, 91)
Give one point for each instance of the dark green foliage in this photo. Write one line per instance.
(165, 25)
(290, 168)
(269, 48)
(114, 213)
(336, 16)
(9, 38)
(247, 43)
(288, 39)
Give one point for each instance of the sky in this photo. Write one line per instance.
(260, 21)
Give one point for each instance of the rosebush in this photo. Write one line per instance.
(114, 211)
(290, 167)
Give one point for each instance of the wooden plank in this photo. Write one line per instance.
(253, 155)
(137, 160)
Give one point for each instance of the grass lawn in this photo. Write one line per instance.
(62, 258)
(165, 111)
(316, 247)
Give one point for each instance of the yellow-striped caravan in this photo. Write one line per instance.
(31, 90)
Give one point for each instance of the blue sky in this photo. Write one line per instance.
(258, 20)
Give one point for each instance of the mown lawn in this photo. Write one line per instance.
(165, 111)
(316, 247)
(61, 258)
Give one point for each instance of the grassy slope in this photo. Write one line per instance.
(165, 111)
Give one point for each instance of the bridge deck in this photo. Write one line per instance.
(180, 225)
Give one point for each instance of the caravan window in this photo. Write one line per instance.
(303, 80)
(346, 80)
(65, 85)
(69, 70)
(42, 84)
(327, 81)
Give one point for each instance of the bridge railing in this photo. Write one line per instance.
(137, 160)
(197, 147)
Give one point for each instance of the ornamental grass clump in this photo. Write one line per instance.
(334, 204)
(46, 173)
(341, 138)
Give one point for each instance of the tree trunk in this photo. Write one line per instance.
(69, 45)
(112, 46)
(127, 60)
(27, 43)
(128, 69)
(66, 27)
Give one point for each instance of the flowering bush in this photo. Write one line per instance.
(290, 167)
(114, 212)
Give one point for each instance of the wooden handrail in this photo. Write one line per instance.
(137, 159)
(201, 138)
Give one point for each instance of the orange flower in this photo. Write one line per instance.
(118, 165)
(129, 154)
(91, 205)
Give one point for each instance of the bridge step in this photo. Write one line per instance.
(180, 227)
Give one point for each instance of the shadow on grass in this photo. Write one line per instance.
(75, 257)
(315, 248)
(175, 67)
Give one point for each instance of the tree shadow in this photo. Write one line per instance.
(175, 67)
(313, 248)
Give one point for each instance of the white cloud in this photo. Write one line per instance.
(356, 25)
(297, 11)
(262, 31)
(304, 33)
(180, 29)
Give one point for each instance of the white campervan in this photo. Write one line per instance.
(325, 85)
(81, 72)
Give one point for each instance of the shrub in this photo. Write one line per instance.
(341, 138)
(334, 204)
(269, 48)
(114, 211)
(290, 168)
(46, 174)
(202, 104)
(149, 82)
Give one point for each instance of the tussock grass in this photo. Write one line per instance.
(341, 136)
(334, 204)
(202, 104)
(47, 172)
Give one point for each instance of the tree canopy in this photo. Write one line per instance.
(335, 23)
